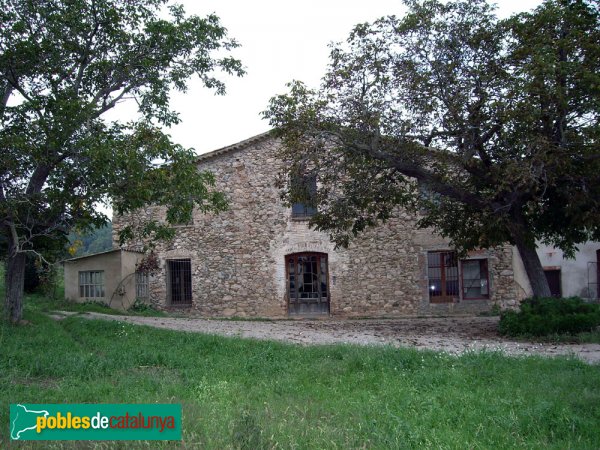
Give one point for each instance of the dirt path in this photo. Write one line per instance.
(450, 334)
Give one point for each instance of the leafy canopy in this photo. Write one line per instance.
(488, 129)
(63, 66)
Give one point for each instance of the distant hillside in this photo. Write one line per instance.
(98, 240)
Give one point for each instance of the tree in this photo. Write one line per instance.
(63, 66)
(488, 128)
(96, 240)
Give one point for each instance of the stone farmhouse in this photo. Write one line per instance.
(260, 258)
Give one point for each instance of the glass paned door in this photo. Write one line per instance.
(307, 283)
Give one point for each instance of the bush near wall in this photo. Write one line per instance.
(547, 316)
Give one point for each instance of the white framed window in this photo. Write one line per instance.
(91, 284)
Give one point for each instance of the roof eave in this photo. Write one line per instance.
(235, 147)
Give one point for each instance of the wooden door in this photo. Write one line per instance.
(307, 284)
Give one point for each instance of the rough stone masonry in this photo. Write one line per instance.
(238, 258)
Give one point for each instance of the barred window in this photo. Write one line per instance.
(91, 284)
(179, 281)
(142, 285)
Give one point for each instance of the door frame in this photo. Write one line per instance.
(319, 255)
(550, 272)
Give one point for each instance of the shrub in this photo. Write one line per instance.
(39, 277)
(140, 306)
(546, 316)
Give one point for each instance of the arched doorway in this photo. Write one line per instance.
(307, 284)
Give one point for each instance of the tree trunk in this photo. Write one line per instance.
(15, 277)
(534, 269)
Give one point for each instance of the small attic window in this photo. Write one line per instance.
(305, 186)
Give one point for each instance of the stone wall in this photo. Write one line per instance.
(238, 257)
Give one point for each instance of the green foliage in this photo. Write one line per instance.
(238, 393)
(95, 240)
(40, 277)
(64, 66)
(93, 305)
(550, 316)
(489, 129)
(144, 309)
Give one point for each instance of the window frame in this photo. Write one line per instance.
(185, 285)
(308, 182)
(444, 297)
(487, 278)
(90, 283)
(558, 272)
(460, 295)
(323, 296)
(142, 283)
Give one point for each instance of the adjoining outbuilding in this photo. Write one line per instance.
(109, 277)
(577, 276)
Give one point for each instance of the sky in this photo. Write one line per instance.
(280, 41)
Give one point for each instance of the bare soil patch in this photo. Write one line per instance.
(449, 334)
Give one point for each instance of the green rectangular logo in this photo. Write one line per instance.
(41, 422)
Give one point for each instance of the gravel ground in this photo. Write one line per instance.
(450, 334)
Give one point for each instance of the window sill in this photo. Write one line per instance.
(301, 219)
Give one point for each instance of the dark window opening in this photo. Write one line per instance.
(475, 279)
(307, 283)
(442, 272)
(304, 187)
(179, 276)
(553, 277)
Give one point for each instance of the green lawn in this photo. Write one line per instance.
(248, 394)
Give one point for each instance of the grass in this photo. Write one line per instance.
(45, 304)
(256, 394)
(56, 301)
(590, 337)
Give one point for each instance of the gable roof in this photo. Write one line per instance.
(102, 253)
(235, 147)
